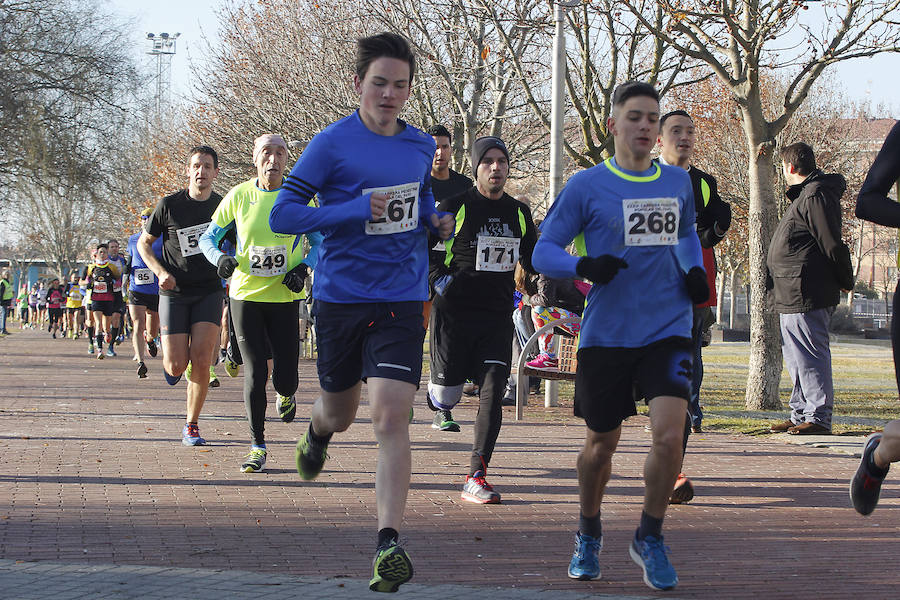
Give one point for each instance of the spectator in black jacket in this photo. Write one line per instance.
(808, 266)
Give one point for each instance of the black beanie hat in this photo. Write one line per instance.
(482, 145)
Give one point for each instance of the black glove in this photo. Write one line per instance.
(600, 269)
(697, 285)
(294, 278)
(226, 266)
(724, 220)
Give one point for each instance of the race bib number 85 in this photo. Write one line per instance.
(402, 210)
(651, 221)
(498, 254)
(189, 239)
(143, 276)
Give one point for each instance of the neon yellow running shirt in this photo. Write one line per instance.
(264, 257)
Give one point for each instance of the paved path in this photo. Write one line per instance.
(99, 500)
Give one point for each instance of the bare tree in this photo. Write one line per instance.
(468, 78)
(58, 59)
(742, 40)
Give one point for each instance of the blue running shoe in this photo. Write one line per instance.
(171, 379)
(585, 563)
(190, 435)
(650, 554)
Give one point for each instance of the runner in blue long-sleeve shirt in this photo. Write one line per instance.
(644, 258)
(371, 173)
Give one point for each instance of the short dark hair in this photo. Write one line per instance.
(630, 89)
(205, 150)
(385, 44)
(674, 113)
(111, 240)
(102, 245)
(801, 156)
(439, 131)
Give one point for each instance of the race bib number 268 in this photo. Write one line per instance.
(401, 213)
(651, 221)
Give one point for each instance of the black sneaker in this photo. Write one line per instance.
(864, 488)
(443, 421)
(310, 457)
(391, 567)
(287, 407)
(151, 348)
(142, 370)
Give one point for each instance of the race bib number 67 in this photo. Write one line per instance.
(189, 239)
(651, 221)
(401, 212)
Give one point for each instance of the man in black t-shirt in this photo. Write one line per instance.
(190, 290)
(445, 183)
(471, 322)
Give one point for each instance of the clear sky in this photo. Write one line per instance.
(868, 78)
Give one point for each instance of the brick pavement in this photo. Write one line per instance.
(97, 482)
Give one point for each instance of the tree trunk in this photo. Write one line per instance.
(765, 343)
(720, 285)
(732, 308)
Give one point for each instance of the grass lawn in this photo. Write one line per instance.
(865, 391)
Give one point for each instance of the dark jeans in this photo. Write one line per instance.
(4, 310)
(694, 408)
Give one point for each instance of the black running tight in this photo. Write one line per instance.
(261, 326)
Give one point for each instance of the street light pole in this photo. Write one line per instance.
(557, 118)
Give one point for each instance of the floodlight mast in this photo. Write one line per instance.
(162, 46)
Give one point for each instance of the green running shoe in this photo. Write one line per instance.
(255, 462)
(392, 568)
(213, 380)
(310, 457)
(231, 367)
(287, 408)
(443, 421)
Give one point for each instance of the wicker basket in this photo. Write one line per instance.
(567, 355)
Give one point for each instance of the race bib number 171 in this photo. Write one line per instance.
(401, 212)
(651, 221)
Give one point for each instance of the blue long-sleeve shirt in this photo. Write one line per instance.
(645, 218)
(361, 260)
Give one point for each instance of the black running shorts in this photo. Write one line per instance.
(177, 314)
(358, 341)
(465, 344)
(151, 301)
(103, 306)
(609, 380)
